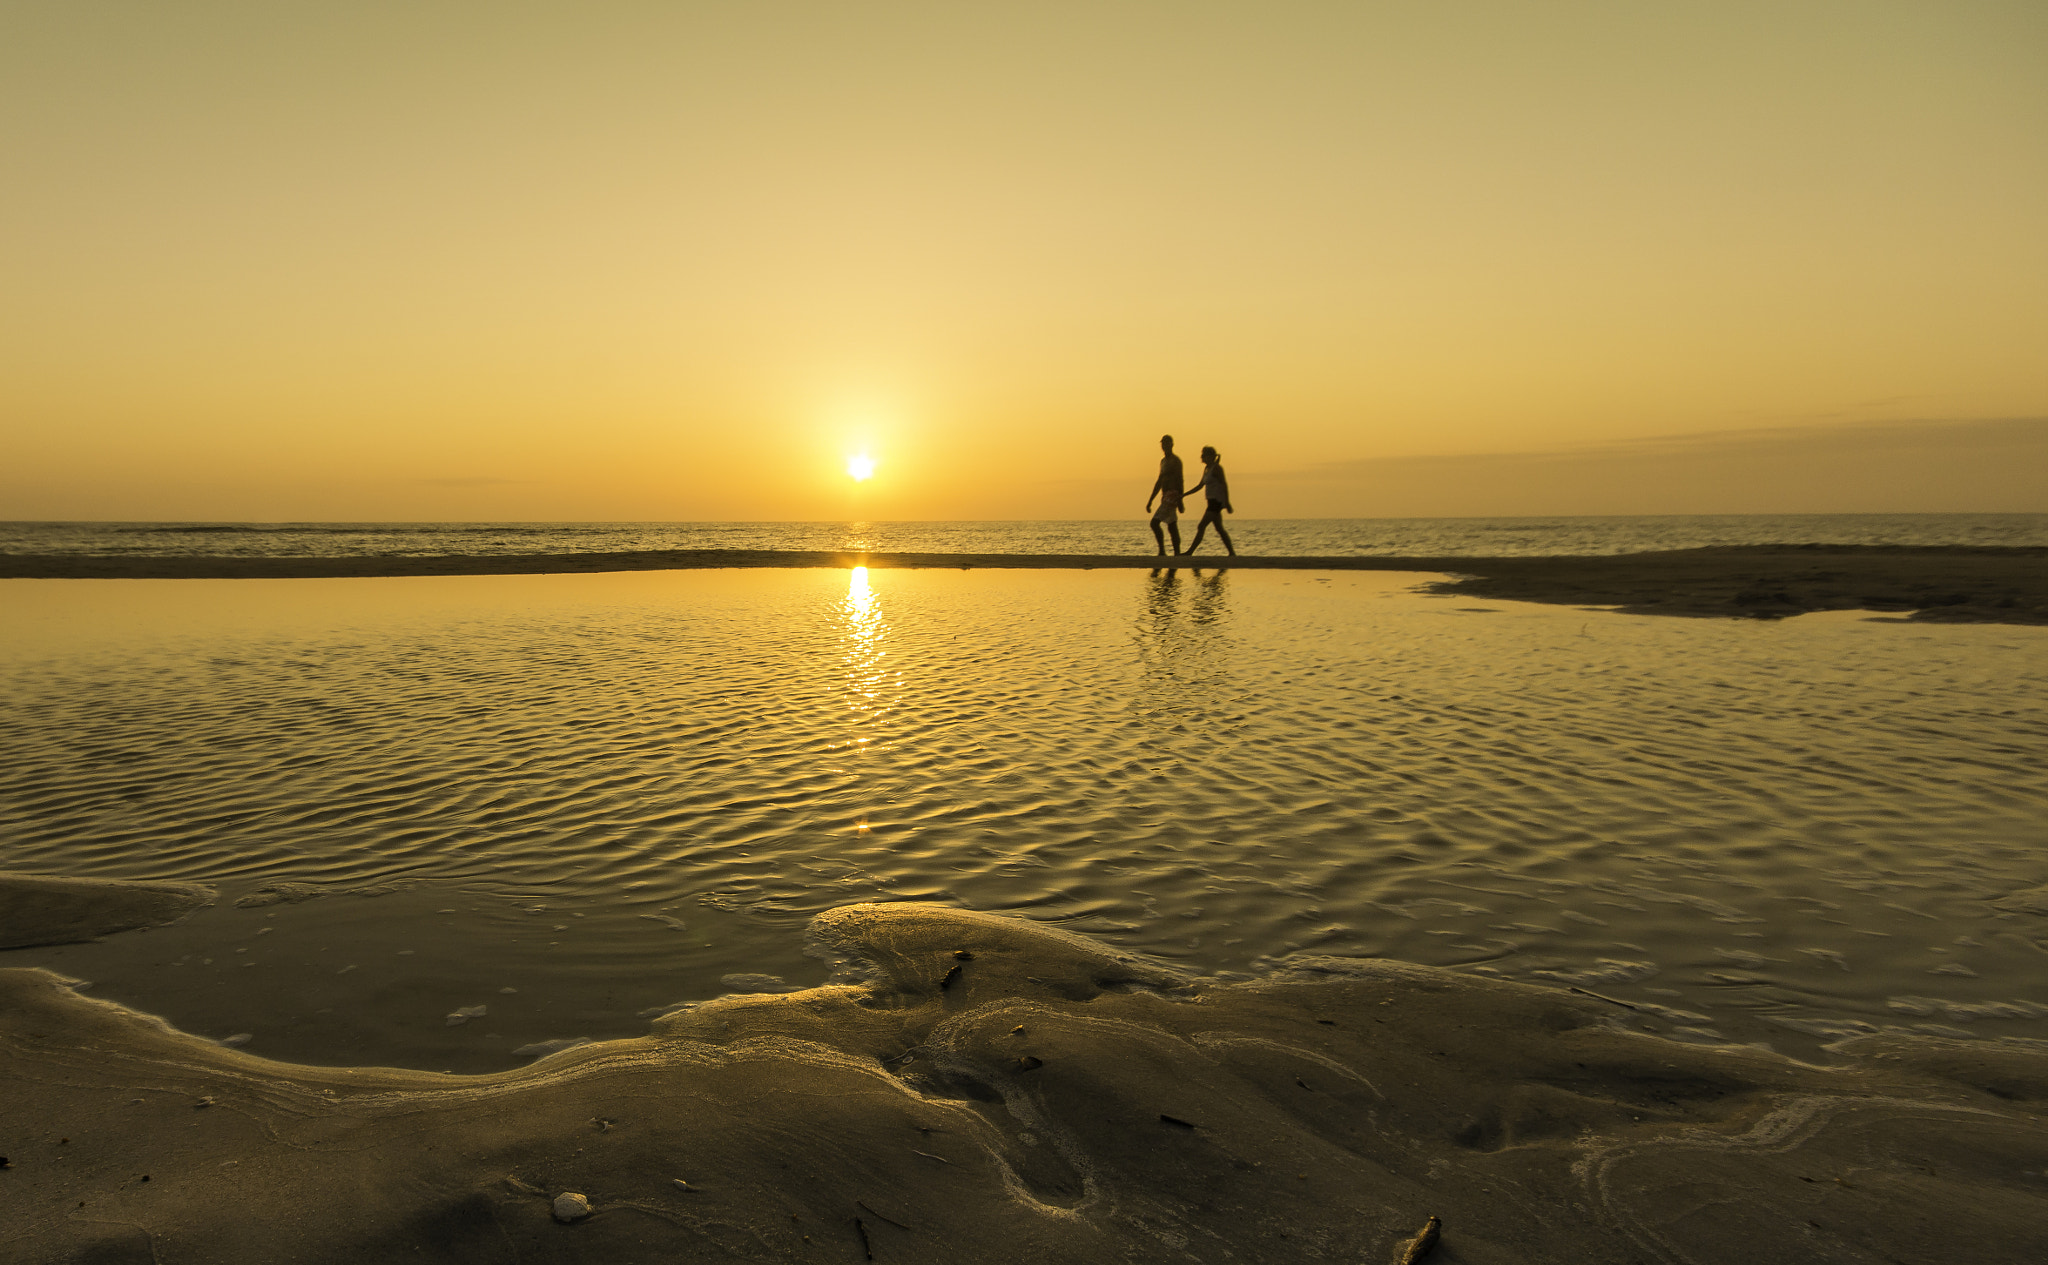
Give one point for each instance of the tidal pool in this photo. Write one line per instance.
(575, 801)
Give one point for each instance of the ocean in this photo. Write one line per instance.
(1315, 537)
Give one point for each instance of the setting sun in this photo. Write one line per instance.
(862, 468)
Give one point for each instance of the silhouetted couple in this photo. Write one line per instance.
(1168, 491)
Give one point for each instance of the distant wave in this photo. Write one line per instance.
(387, 529)
(182, 531)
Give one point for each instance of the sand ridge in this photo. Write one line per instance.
(974, 1087)
(1944, 584)
(39, 909)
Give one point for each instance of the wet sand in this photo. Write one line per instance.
(972, 1087)
(1949, 585)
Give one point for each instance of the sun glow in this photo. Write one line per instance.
(862, 468)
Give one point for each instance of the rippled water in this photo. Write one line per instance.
(1312, 537)
(612, 792)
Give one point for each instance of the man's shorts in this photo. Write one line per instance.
(1167, 511)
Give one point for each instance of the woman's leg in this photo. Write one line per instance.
(1216, 513)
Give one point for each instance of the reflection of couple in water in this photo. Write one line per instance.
(1168, 491)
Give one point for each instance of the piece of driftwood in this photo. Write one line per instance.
(1421, 1245)
(879, 1216)
(1614, 1001)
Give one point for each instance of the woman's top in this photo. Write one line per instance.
(1213, 484)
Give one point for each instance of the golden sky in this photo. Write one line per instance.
(308, 260)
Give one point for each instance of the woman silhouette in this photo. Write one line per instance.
(1217, 488)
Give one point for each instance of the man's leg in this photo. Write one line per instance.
(1169, 519)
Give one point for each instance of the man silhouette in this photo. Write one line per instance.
(1168, 490)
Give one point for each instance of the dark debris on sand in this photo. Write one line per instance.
(1941, 585)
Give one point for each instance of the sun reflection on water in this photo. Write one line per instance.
(859, 597)
(863, 656)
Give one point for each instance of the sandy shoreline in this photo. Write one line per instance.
(1950, 585)
(980, 1088)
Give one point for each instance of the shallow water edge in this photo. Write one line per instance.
(576, 799)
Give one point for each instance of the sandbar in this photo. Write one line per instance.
(2005, 585)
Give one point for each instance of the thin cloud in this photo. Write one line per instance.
(1870, 467)
(1858, 437)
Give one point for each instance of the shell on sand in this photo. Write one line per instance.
(570, 1206)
